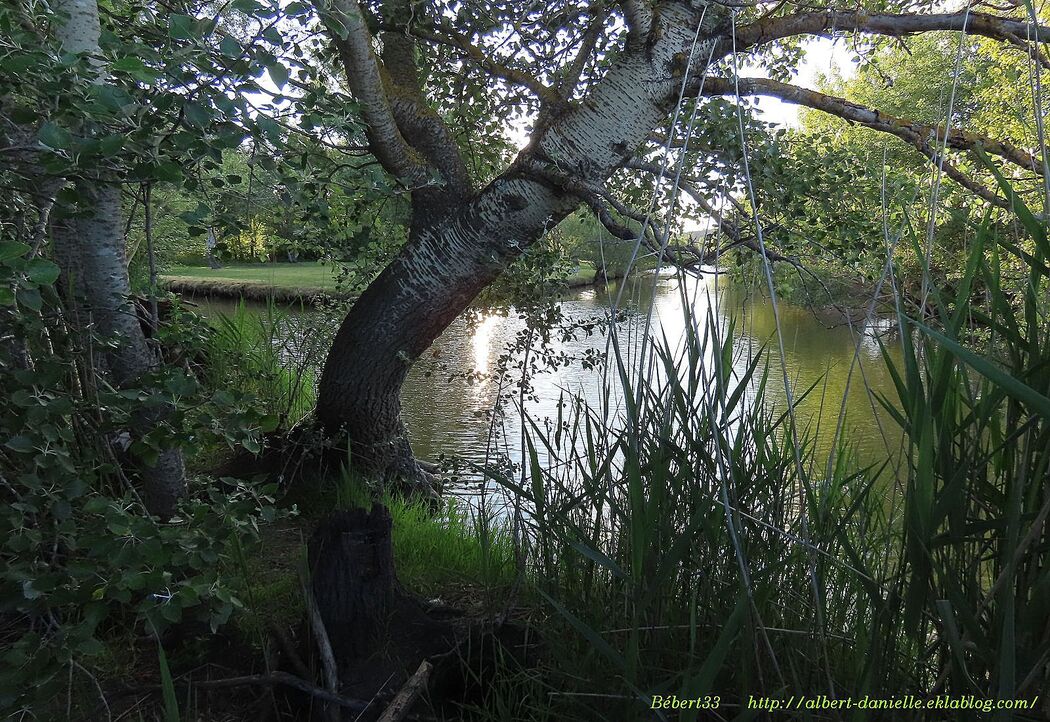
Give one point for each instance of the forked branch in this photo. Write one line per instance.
(354, 43)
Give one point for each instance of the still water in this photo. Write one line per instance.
(451, 394)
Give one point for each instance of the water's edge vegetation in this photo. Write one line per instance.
(689, 541)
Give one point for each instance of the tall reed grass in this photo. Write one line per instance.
(274, 354)
(688, 541)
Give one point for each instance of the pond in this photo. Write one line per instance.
(449, 397)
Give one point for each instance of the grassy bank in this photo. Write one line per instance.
(285, 282)
(304, 281)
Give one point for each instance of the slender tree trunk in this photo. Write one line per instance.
(90, 249)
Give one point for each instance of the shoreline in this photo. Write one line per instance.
(262, 292)
(247, 290)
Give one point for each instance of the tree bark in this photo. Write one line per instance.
(90, 250)
(448, 259)
(352, 579)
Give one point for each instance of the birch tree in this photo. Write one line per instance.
(89, 247)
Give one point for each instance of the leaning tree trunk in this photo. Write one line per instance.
(90, 250)
(448, 259)
(453, 253)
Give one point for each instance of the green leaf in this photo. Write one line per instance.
(196, 114)
(111, 144)
(167, 685)
(278, 74)
(270, 127)
(31, 299)
(22, 444)
(181, 27)
(251, 7)
(230, 47)
(13, 249)
(55, 136)
(129, 64)
(7, 296)
(42, 271)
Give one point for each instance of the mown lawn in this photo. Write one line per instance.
(287, 276)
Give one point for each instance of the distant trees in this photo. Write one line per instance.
(843, 181)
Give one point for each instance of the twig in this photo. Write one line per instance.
(408, 694)
(324, 646)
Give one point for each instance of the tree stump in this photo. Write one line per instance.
(353, 579)
(379, 633)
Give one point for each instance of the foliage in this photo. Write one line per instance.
(82, 559)
(836, 188)
(274, 356)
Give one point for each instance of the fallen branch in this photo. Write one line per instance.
(408, 694)
(324, 646)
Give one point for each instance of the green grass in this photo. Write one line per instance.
(584, 274)
(272, 355)
(284, 276)
(443, 551)
(256, 280)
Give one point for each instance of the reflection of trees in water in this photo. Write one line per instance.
(454, 405)
(454, 415)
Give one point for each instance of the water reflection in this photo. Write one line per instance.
(450, 412)
(452, 395)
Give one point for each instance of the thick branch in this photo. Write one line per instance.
(354, 43)
(399, 49)
(639, 17)
(830, 22)
(923, 136)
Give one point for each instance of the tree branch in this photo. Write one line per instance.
(470, 52)
(420, 125)
(348, 31)
(923, 136)
(639, 17)
(726, 226)
(573, 72)
(831, 22)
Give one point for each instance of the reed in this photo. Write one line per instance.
(688, 540)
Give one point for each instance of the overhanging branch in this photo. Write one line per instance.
(829, 23)
(927, 138)
(726, 226)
